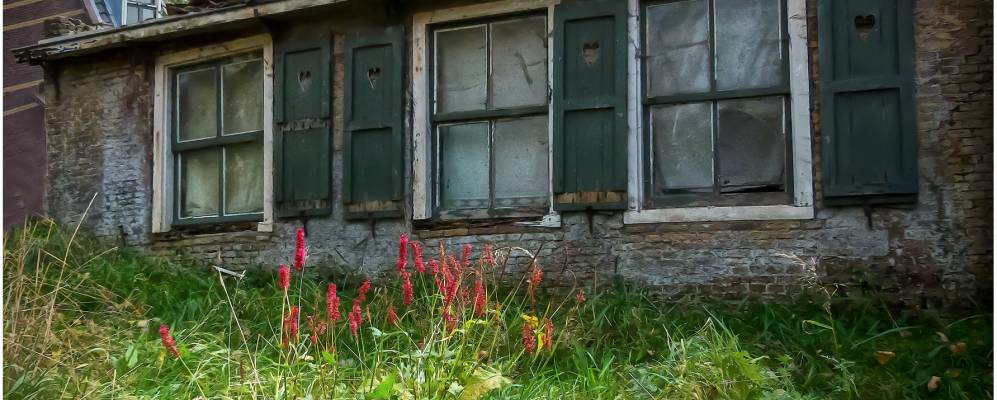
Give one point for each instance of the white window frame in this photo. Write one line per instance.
(802, 156)
(422, 100)
(162, 175)
(160, 4)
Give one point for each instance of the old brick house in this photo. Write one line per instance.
(689, 144)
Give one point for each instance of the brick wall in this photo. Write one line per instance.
(939, 249)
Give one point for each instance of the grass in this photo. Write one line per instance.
(81, 321)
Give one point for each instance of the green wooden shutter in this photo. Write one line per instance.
(869, 135)
(590, 105)
(303, 141)
(372, 158)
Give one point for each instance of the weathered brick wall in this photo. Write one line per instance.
(940, 248)
(98, 127)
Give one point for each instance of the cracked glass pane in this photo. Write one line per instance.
(748, 49)
(197, 104)
(752, 144)
(244, 178)
(242, 95)
(465, 165)
(521, 162)
(199, 183)
(461, 69)
(519, 62)
(678, 51)
(683, 147)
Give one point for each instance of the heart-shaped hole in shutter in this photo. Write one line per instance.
(304, 80)
(590, 52)
(373, 74)
(864, 24)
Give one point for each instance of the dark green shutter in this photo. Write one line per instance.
(372, 158)
(869, 138)
(303, 140)
(590, 105)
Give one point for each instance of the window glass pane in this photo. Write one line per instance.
(242, 85)
(465, 165)
(148, 13)
(519, 62)
(199, 183)
(752, 144)
(244, 178)
(748, 49)
(521, 162)
(132, 14)
(683, 147)
(461, 67)
(196, 104)
(678, 48)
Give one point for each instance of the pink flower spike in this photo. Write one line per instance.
(299, 250)
(332, 303)
(356, 318)
(168, 343)
(285, 277)
(407, 291)
(364, 288)
(417, 256)
(392, 315)
(402, 253)
(480, 301)
(465, 258)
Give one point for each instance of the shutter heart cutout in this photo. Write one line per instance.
(864, 25)
(590, 52)
(373, 74)
(304, 80)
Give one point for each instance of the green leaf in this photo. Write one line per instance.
(329, 358)
(482, 382)
(383, 389)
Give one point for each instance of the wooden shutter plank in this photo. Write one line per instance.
(372, 176)
(590, 105)
(302, 108)
(869, 135)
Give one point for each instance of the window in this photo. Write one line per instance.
(137, 11)
(716, 101)
(217, 131)
(489, 117)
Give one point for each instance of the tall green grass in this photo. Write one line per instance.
(81, 320)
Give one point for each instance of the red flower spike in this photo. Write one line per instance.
(465, 258)
(294, 323)
(434, 267)
(285, 277)
(536, 275)
(487, 258)
(548, 333)
(364, 288)
(529, 341)
(480, 301)
(356, 317)
(314, 339)
(392, 315)
(402, 255)
(580, 297)
(299, 250)
(417, 256)
(168, 343)
(332, 303)
(407, 291)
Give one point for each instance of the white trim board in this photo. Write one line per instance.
(162, 189)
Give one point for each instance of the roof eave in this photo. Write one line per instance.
(158, 30)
